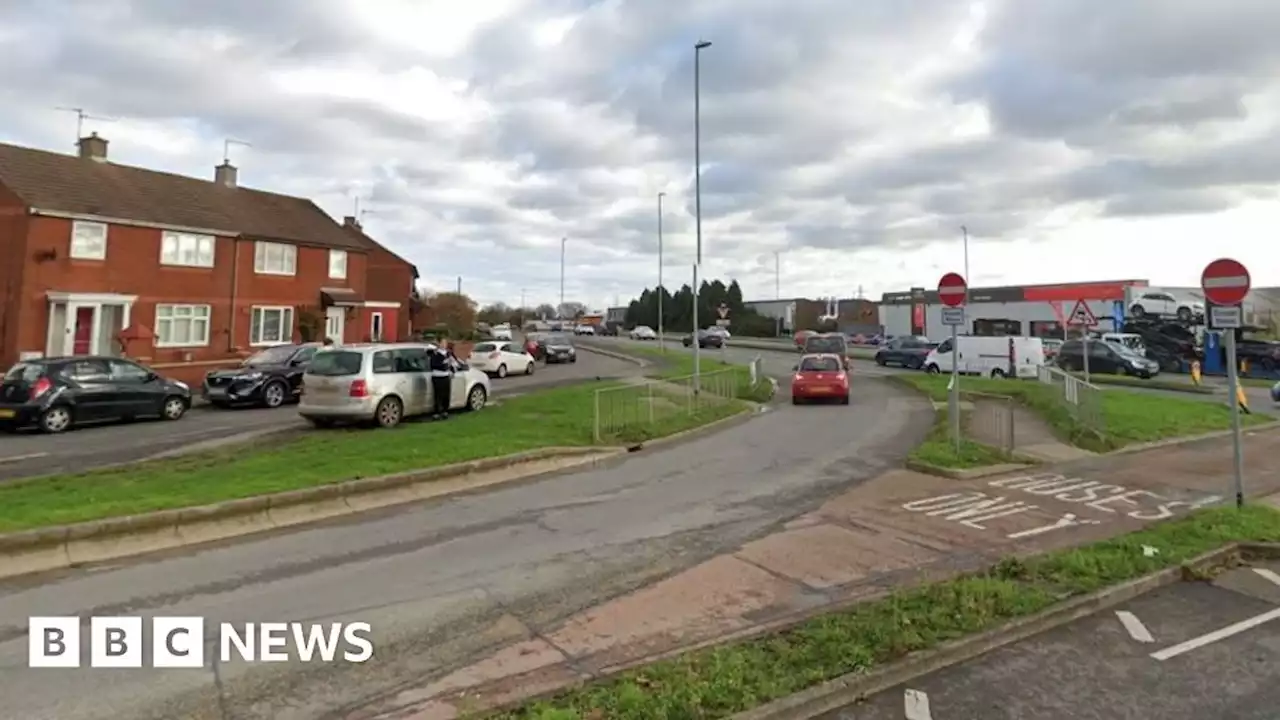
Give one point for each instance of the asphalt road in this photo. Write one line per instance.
(31, 453)
(434, 578)
(1210, 651)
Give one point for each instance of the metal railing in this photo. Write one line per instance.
(643, 401)
(1083, 400)
(992, 421)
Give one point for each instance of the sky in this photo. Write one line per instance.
(844, 145)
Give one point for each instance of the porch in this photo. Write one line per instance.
(86, 323)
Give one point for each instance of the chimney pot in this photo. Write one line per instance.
(93, 148)
(225, 174)
(351, 222)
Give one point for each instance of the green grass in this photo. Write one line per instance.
(718, 682)
(560, 417)
(939, 450)
(1127, 418)
(676, 363)
(1153, 383)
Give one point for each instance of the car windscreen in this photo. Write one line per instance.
(558, 340)
(334, 363)
(484, 348)
(822, 364)
(825, 345)
(24, 373)
(274, 356)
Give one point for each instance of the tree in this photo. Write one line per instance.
(455, 311)
(545, 311)
(572, 310)
(495, 314)
(677, 309)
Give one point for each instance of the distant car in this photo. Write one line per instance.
(1275, 392)
(820, 377)
(643, 332)
(268, 379)
(717, 330)
(382, 384)
(801, 337)
(533, 345)
(827, 344)
(585, 330)
(907, 351)
(56, 394)
(1157, 303)
(1051, 347)
(501, 358)
(1105, 357)
(501, 332)
(558, 348)
(706, 339)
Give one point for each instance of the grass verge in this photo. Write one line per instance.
(678, 364)
(940, 451)
(1128, 418)
(718, 682)
(1152, 384)
(559, 417)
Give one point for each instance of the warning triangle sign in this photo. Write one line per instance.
(1082, 316)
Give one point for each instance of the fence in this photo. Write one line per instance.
(992, 421)
(1083, 400)
(643, 401)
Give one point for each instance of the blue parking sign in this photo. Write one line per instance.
(1117, 314)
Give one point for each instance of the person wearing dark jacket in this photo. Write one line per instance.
(443, 365)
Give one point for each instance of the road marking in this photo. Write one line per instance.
(1216, 635)
(1068, 520)
(20, 458)
(1268, 574)
(1136, 629)
(916, 705)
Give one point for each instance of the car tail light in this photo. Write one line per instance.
(42, 386)
(359, 389)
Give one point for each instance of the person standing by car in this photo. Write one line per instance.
(443, 364)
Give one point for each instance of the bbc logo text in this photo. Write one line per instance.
(179, 642)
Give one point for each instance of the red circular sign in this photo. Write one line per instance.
(1225, 282)
(951, 290)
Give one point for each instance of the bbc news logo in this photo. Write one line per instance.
(179, 642)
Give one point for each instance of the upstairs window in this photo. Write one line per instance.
(337, 264)
(275, 258)
(88, 241)
(186, 249)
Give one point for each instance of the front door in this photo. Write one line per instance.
(334, 322)
(82, 342)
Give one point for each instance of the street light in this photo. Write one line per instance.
(560, 310)
(661, 343)
(777, 285)
(697, 201)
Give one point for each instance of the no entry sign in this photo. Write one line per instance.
(951, 290)
(1225, 282)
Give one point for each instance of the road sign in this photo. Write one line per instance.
(1225, 282)
(952, 289)
(722, 322)
(953, 316)
(724, 311)
(1225, 317)
(1082, 316)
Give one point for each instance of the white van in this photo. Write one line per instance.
(989, 356)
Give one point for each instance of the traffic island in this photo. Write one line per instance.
(939, 454)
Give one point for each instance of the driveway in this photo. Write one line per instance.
(446, 581)
(29, 453)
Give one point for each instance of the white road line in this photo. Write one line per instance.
(916, 705)
(20, 458)
(1216, 635)
(1136, 629)
(1268, 574)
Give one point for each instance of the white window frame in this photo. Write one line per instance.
(169, 313)
(171, 249)
(286, 328)
(340, 272)
(77, 251)
(286, 262)
(376, 327)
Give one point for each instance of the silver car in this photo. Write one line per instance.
(383, 383)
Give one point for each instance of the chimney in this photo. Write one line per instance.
(351, 222)
(93, 148)
(225, 174)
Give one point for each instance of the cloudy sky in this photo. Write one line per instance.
(1075, 139)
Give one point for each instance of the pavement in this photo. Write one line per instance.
(446, 583)
(1189, 651)
(30, 453)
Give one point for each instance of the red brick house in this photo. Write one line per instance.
(182, 273)
(389, 287)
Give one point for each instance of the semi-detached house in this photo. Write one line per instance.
(182, 273)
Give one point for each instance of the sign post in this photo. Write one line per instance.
(1082, 317)
(1226, 283)
(723, 321)
(952, 290)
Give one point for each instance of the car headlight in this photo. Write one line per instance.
(251, 376)
(179, 383)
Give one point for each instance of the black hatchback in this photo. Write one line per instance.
(55, 394)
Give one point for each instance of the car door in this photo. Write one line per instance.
(413, 380)
(298, 367)
(1102, 358)
(140, 390)
(92, 394)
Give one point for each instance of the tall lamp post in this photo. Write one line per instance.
(777, 284)
(697, 202)
(661, 341)
(967, 282)
(560, 310)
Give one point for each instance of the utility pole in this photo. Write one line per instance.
(777, 285)
(560, 310)
(81, 116)
(967, 281)
(697, 203)
(522, 305)
(459, 284)
(661, 342)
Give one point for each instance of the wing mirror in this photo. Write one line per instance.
(795, 368)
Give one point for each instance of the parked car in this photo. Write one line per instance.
(533, 346)
(1105, 357)
(1051, 347)
(558, 348)
(643, 332)
(501, 332)
(56, 394)
(585, 329)
(501, 358)
(906, 351)
(705, 340)
(1275, 392)
(269, 378)
(995, 357)
(382, 384)
(820, 377)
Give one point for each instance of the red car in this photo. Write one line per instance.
(820, 377)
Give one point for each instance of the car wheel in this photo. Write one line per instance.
(914, 364)
(844, 400)
(881, 361)
(173, 408)
(476, 398)
(934, 370)
(573, 359)
(1137, 311)
(273, 394)
(796, 401)
(997, 374)
(321, 423)
(502, 371)
(389, 413)
(528, 369)
(56, 419)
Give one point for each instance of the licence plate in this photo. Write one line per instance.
(215, 392)
(7, 413)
